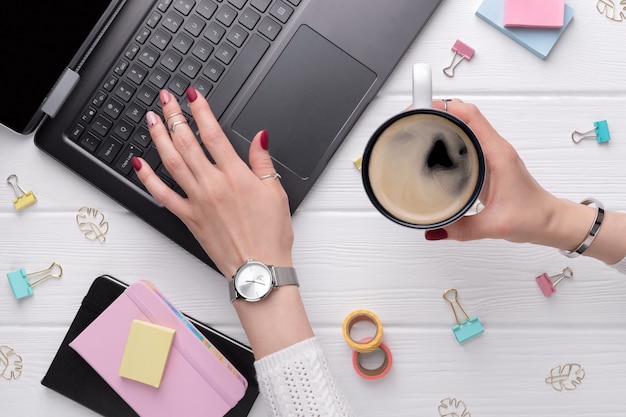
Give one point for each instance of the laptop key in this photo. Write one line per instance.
(123, 129)
(269, 28)
(125, 91)
(173, 21)
(260, 5)
(184, 6)
(135, 112)
(249, 18)
(101, 125)
(206, 9)
(142, 137)
(159, 77)
(213, 70)
(226, 15)
(113, 108)
(76, 132)
(110, 149)
(237, 36)
(195, 25)
(164, 4)
(236, 76)
(214, 33)
(237, 3)
(123, 164)
(281, 11)
(178, 85)
(225, 53)
(90, 142)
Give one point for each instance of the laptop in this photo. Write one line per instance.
(86, 73)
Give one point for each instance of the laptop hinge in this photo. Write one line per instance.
(61, 90)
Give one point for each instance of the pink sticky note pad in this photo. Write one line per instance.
(534, 13)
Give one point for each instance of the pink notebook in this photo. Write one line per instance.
(197, 379)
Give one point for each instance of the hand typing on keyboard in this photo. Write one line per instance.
(236, 212)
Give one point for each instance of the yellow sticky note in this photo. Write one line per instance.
(145, 355)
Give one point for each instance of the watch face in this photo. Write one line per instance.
(253, 281)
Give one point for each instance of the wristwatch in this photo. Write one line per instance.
(254, 280)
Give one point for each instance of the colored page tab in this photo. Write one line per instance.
(534, 13)
(539, 41)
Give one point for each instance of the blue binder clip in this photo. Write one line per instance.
(471, 327)
(600, 130)
(21, 285)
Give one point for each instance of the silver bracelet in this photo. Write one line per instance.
(593, 231)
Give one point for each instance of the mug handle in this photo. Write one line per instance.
(422, 86)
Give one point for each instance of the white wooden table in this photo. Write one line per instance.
(349, 257)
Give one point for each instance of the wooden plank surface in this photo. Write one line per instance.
(349, 257)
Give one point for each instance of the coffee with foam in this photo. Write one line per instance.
(424, 169)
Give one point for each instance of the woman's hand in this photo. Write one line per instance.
(516, 207)
(231, 211)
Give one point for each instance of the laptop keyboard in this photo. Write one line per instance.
(212, 45)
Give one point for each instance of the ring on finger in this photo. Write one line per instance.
(445, 103)
(178, 113)
(179, 122)
(275, 176)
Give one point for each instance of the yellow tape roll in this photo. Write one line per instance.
(359, 346)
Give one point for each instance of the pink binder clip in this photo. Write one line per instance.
(548, 287)
(461, 50)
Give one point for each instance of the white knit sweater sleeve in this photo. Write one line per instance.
(620, 266)
(297, 382)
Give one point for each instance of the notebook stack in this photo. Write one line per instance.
(130, 352)
(535, 24)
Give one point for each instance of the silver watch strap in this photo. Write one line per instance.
(285, 275)
(231, 290)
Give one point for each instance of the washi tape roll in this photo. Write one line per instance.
(376, 373)
(362, 346)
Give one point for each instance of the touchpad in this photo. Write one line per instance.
(305, 100)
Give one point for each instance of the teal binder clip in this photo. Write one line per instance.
(20, 282)
(600, 130)
(471, 327)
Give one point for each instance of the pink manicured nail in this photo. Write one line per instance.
(192, 95)
(437, 234)
(152, 118)
(165, 97)
(136, 163)
(265, 140)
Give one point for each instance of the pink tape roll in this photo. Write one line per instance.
(376, 373)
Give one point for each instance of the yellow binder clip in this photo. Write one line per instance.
(23, 198)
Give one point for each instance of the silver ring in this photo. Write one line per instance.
(275, 176)
(445, 103)
(178, 113)
(179, 122)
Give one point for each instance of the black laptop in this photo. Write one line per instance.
(83, 74)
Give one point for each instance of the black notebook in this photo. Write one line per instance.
(72, 377)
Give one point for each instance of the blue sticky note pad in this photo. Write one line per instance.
(468, 329)
(539, 41)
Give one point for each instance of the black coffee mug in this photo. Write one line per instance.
(423, 168)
